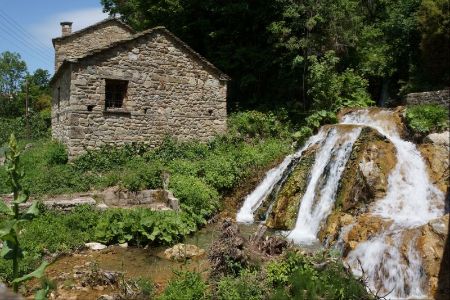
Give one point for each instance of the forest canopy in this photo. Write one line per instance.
(269, 48)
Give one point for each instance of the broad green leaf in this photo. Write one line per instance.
(38, 273)
(8, 250)
(6, 228)
(23, 197)
(41, 294)
(5, 208)
(33, 210)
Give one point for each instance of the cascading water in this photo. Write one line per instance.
(411, 200)
(273, 176)
(319, 197)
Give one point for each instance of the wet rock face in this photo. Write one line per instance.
(366, 174)
(287, 202)
(436, 157)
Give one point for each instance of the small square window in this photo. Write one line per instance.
(115, 93)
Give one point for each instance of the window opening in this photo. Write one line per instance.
(115, 93)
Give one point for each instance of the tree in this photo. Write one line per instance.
(434, 21)
(12, 71)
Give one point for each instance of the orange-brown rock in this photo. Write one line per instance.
(366, 226)
(436, 157)
(430, 244)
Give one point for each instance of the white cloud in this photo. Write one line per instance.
(50, 28)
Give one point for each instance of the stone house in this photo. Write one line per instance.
(115, 86)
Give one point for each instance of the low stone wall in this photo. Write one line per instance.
(441, 97)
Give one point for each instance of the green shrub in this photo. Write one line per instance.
(108, 157)
(252, 124)
(247, 286)
(426, 118)
(194, 193)
(297, 277)
(186, 286)
(57, 154)
(38, 127)
(139, 175)
(332, 90)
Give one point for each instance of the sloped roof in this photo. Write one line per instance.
(93, 26)
(160, 29)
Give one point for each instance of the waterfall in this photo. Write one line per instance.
(389, 260)
(254, 200)
(273, 176)
(319, 197)
(411, 201)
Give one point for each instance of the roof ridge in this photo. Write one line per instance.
(82, 30)
(135, 36)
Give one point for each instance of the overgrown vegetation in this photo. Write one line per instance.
(15, 220)
(292, 276)
(426, 118)
(198, 171)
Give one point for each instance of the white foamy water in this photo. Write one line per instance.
(254, 200)
(411, 201)
(409, 188)
(318, 200)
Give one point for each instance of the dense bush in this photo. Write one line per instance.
(297, 276)
(57, 154)
(331, 90)
(186, 286)
(426, 118)
(195, 194)
(247, 286)
(38, 127)
(256, 124)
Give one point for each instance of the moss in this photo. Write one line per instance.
(285, 209)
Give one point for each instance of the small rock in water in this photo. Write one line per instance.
(95, 246)
(124, 245)
(180, 252)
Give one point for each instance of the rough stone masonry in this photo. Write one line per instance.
(133, 87)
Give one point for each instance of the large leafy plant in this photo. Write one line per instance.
(11, 226)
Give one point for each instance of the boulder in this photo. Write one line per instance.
(431, 243)
(95, 246)
(181, 252)
(442, 138)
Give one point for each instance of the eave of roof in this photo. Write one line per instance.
(161, 29)
(83, 30)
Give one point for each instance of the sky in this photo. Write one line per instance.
(28, 26)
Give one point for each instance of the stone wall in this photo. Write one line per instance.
(60, 111)
(170, 93)
(435, 97)
(78, 45)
